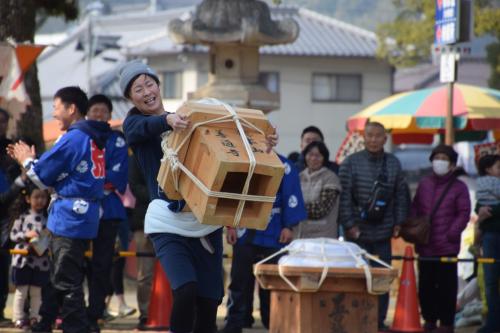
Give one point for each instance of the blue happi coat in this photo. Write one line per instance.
(75, 168)
(116, 157)
(288, 210)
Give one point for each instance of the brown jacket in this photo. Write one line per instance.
(321, 191)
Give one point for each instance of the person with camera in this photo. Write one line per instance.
(374, 201)
(445, 199)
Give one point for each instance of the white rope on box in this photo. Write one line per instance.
(171, 155)
(358, 257)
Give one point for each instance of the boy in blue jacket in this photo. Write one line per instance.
(75, 168)
(251, 246)
(113, 211)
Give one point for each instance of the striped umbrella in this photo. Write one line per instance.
(423, 112)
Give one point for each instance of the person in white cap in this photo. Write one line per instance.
(189, 252)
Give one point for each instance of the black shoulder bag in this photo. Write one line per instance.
(417, 230)
(380, 196)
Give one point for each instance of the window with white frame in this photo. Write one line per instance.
(172, 85)
(336, 87)
(270, 80)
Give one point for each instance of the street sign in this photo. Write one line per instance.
(447, 22)
(448, 68)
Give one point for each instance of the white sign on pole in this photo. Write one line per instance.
(448, 69)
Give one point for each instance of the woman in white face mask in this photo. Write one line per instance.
(441, 164)
(445, 201)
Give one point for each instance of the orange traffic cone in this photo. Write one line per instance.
(160, 304)
(407, 317)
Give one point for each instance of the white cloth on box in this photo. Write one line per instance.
(320, 252)
(325, 252)
(160, 219)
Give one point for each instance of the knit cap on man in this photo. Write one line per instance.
(130, 70)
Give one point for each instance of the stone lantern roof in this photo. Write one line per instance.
(247, 22)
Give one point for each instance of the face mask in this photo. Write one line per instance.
(440, 167)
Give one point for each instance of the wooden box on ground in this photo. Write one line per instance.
(216, 155)
(342, 304)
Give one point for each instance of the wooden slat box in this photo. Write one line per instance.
(342, 303)
(216, 155)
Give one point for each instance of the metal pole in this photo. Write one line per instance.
(449, 128)
(89, 53)
(450, 131)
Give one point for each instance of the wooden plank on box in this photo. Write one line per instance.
(342, 304)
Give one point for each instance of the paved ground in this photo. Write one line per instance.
(128, 324)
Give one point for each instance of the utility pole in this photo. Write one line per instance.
(94, 9)
(453, 24)
(448, 75)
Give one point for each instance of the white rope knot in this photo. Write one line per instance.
(359, 258)
(172, 158)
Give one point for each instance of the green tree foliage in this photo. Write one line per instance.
(408, 39)
(487, 21)
(18, 20)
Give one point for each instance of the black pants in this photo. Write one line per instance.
(241, 288)
(4, 280)
(117, 272)
(437, 291)
(65, 291)
(191, 313)
(103, 249)
(383, 250)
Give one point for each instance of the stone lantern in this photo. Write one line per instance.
(234, 30)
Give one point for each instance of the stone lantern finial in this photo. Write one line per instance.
(234, 30)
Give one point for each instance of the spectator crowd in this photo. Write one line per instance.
(96, 189)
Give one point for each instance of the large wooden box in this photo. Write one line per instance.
(216, 155)
(342, 303)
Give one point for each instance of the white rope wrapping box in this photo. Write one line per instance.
(325, 253)
(171, 155)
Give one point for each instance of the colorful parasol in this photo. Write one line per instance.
(423, 112)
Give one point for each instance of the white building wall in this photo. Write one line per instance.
(297, 108)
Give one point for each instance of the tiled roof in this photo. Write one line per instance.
(470, 71)
(319, 35)
(145, 34)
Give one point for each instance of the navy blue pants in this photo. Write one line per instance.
(241, 288)
(195, 276)
(491, 249)
(103, 248)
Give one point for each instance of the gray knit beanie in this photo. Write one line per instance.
(131, 69)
